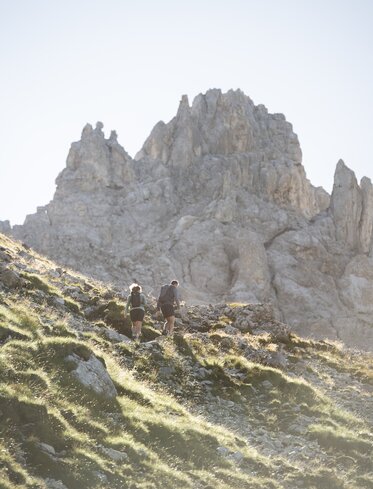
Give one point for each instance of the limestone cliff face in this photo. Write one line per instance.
(227, 139)
(218, 198)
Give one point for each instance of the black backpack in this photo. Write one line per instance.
(135, 299)
(167, 294)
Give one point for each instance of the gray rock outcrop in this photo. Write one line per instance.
(92, 374)
(9, 277)
(352, 209)
(218, 198)
(5, 227)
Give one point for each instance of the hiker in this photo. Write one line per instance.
(168, 296)
(136, 302)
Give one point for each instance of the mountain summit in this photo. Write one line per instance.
(218, 198)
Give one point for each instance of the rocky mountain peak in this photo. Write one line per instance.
(226, 134)
(218, 198)
(94, 162)
(223, 124)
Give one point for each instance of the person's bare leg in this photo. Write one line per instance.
(136, 329)
(170, 324)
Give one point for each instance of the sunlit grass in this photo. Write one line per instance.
(165, 443)
(235, 305)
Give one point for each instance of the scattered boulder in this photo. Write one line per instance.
(5, 256)
(226, 342)
(53, 484)
(223, 451)
(47, 449)
(92, 374)
(115, 336)
(115, 455)
(231, 330)
(237, 457)
(277, 359)
(280, 333)
(10, 278)
(58, 302)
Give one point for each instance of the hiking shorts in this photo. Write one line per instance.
(167, 310)
(137, 314)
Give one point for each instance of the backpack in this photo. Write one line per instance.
(167, 295)
(135, 299)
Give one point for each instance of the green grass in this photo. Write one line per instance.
(18, 320)
(37, 282)
(72, 305)
(359, 366)
(340, 438)
(60, 415)
(163, 423)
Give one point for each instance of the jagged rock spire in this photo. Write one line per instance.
(346, 205)
(94, 162)
(352, 209)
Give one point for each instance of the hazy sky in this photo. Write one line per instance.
(127, 63)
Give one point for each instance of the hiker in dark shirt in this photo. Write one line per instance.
(168, 297)
(136, 303)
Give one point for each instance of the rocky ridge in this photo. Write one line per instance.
(234, 399)
(218, 198)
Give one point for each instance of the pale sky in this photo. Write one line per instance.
(127, 63)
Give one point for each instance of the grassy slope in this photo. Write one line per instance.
(172, 429)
